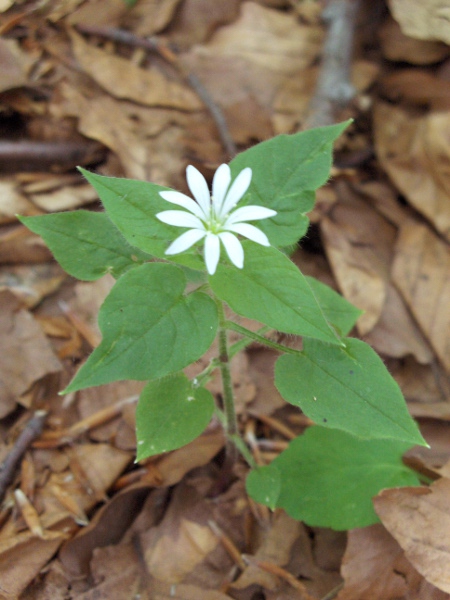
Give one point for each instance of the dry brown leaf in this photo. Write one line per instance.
(174, 466)
(249, 59)
(31, 283)
(374, 568)
(22, 559)
(423, 19)
(276, 548)
(359, 245)
(128, 130)
(108, 527)
(413, 149)
(396, 334)
(125, 80)
(13, 202)
(397, 46)
(424, 384)
(65, 198)
(294, 95)
(29, 355)
(148, 17)
(421, 270)
(196, 20)
(106, 13)
(419, 519)
(16, 65)
(19, 245)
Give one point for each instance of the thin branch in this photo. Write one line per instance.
(154, 45)
(33, 430)
(334, 88)
(31, 155)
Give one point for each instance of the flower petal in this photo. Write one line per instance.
(185, 241)
(221, 181)
(180, 218)
(249, 213)
(199, 188)
(233, 247)
(211, 252)
(251, 232)
(184, 201)
(237, 190)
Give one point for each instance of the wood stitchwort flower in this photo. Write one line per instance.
(215, 217)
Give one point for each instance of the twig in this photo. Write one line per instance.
(275, 424)
(154, 45)
(54, 439)
(33, 430)
(334, 88)
(30, 155)
(229, 545)
(281, 573)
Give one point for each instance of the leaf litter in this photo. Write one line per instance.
(79, 518)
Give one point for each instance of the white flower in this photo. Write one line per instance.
(213, 217)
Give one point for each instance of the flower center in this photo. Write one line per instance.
(214, 224)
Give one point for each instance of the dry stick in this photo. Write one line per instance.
(279, 572)
(53, 439)
(154, 45)
(334, 88)
(32, 155)
(33, 430)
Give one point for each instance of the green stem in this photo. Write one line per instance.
(224, 365)
(259, 338)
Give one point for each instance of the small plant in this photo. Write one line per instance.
(230, 248)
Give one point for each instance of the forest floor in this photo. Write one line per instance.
(115, 88)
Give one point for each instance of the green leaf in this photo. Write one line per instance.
(346, 388)
(149, 328)
(328, 477)
(286, 171)
(132, 205)
(264, 485)
(170, 414)
(338, 311)
(86, 244)
(271, 289)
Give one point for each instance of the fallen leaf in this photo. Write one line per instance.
(412, 147)
(13, 202)
(28, 356)
(423, 19)
(108, 527)
(125, 80)
(31, 283)
(359, 245)
(397, 46)
(419, 519)
(16, 65)
(420, 270)
(374, 568)
(19, 245)
(22, 559)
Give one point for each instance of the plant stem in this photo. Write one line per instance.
(259, 338)
(224, 365)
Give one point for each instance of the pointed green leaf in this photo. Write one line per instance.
(150, 329)
(170, 414)
(346, 388)
(286, 171)
(338, 311)
(328, 477)
(132, 205)
(271, 289)
(86, 244)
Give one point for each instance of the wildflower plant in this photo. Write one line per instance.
(182, 265)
